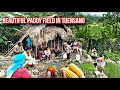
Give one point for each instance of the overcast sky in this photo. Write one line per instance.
(93, 13)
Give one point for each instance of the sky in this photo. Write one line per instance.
(93, 13)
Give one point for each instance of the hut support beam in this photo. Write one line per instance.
(51, 43)
(41, 45)
(58, 43)
(36, 50)
(46, 44)
(54, 43)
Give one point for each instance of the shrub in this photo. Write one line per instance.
(112, 56)
(112, 70)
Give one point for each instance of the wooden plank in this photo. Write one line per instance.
(54, 43)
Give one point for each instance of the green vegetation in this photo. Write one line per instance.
(112, 56)
(112, 70)
(88, 66)
(88, 69)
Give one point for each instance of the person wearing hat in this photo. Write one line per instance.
(16, 70)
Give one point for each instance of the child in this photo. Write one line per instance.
(53, 55)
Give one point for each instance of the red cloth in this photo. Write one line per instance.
(21, 73)
(40, 54)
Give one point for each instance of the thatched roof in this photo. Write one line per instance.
(43, 33)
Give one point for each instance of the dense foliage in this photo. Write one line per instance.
(112, 70)
(100, 32)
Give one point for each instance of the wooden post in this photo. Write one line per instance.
(46, 44)
(51, 43)
(58, 43)
(62, 46)
(42, 32)
(54, 43)
(36, 51)
(2, 48)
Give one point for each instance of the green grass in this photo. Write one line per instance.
(88, 66)
(112, 70)
(88, 69)
(112, 56)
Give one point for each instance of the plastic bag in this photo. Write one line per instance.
(65, 55)
(77, 57)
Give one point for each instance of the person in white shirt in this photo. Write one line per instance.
(18, 48)
(29, 59)
(67, 50)
(47, 52)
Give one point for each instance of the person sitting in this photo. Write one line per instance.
(18, 48)
(30, 61)
(53, 54)
(40, 53)
(47, 53)
(16, 70)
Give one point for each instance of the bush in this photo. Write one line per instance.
(112, 56)
(88, 69)
(112, 70)
(84, 53)
(88, 66)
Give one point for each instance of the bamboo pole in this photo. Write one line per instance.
(58, 43)
(36, 51)
(54, 43)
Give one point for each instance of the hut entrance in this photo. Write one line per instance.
(56, 42)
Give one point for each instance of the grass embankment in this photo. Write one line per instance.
(112, 56)
(112, 70)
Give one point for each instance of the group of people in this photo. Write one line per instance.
(17, 69)
(70, 47)
(99, 61)
(30, 57)
(48, 54)
(25, 58)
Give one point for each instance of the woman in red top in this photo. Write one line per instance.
(40, 53)
(16, 70)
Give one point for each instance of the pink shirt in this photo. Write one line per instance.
(21, 73)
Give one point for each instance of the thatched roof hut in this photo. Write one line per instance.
(43, 33)
(48, 35)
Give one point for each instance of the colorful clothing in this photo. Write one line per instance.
(29, 41)
(18, 62)
(19, 48)
(21, 73)
(40, 54)
(29, 59)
